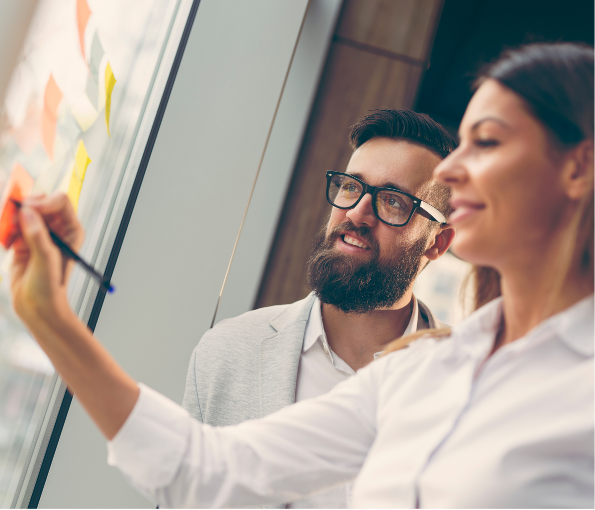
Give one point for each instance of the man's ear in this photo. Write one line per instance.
(444, 238)
(577, 174)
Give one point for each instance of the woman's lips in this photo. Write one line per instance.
(463, 209)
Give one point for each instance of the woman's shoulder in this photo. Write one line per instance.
(413, 357)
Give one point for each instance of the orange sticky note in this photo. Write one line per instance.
(83, 14)
(51, 100)
(18, 187)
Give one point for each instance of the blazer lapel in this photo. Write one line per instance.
(427, 320)
(279, 357)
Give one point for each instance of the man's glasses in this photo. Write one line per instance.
(391, 205)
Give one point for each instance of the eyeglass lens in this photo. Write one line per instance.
(392, 206)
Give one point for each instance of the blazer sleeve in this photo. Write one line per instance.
(191, 401)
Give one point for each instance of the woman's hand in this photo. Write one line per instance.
(38, 284)
(39, 273)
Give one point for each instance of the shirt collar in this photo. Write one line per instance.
(315, 328)
(574, 326)
(475, 333)
(412, 326)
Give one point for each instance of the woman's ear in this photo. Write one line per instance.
(577, 175)
(444, 238)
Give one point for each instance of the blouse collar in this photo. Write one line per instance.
(574, 326)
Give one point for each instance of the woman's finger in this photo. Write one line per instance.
(58, 213)
(19, 261)
(48, 204)
(36, 235)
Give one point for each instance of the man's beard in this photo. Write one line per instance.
(356, 286)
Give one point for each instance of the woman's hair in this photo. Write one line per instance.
(555, 81)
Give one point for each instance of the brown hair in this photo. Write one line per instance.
(413, 127)
(556, 83)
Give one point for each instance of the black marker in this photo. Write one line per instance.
(104, 284)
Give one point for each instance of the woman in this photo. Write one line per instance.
(497, 414)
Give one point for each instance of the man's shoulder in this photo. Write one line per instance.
(254, 325)
(246, 366)
(246, 324)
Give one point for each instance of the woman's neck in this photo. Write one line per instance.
(533, 293)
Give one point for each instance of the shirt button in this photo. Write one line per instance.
(325, 347)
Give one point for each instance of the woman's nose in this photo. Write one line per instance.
(451, 170)
(363, 213)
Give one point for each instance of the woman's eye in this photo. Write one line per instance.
(489, 142)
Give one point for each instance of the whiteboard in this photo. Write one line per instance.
(80, 111)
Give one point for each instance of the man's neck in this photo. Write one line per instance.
(355, 338)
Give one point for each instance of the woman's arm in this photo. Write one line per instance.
(154, 442)
(39, 278)
(309, 446)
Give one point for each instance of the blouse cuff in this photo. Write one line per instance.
(149, 447)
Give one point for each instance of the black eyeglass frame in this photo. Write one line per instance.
(418, 203)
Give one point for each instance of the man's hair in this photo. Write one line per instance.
(413, 127)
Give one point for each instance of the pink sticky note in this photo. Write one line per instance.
(51, 100)
(28, 134)
(19, 185)
(82, 17)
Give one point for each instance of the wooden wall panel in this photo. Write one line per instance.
(404, 27)
(360, 75)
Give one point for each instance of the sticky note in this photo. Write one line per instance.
(68, 124)
(82, 17)
(48, 179)
(51, 99)
(81, 162)
(84, 112)
(92, 91)
(36, 161)
(96, 56)
(110, 81)
(29, 132)
(18, 187)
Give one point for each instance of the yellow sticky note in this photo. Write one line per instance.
(110, 81)
(81, 162)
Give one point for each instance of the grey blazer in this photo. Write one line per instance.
(246, 367)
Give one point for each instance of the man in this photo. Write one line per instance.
(387, 222)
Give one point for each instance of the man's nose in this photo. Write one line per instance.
(363, 213)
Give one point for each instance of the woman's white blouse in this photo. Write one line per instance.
(428, 426)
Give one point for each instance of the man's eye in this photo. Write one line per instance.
(393, 202)
(349, 187)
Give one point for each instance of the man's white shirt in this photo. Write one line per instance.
(320, 369)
